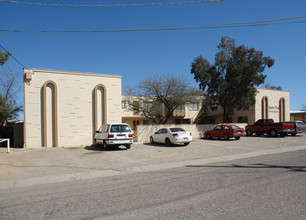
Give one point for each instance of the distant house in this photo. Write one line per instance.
(298, 116)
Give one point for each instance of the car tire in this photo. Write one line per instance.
(151, 140)
(167, 142)
(226, 137)
(237, 138)
(273, 133)
(249, 132)
(208, 136)
(105, 146)
(128, 146)
(186, 143)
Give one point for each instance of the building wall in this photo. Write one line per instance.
(298, 116)
(70, 100)
(274, 109)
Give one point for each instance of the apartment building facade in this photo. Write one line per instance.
(269, 103)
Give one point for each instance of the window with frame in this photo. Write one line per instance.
(147, 105)
(242, 119)
(194, 106)
(179, 108)
(123, 104)
(147, 122)
(213, 121)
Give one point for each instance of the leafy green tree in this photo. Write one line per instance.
(4, 56)
(230, 82)
(157, 97)
(269, 86)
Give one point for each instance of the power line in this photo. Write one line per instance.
(226, 25)
(13, 57)
(115, 5)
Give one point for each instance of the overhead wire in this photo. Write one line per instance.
(226, 25)
(113, 5)
(12, 56)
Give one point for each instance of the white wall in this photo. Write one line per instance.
(75, 105)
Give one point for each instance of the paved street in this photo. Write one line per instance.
(263, 187)
(23, 167)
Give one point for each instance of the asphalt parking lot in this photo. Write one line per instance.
(22, 164)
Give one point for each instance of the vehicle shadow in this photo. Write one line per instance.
(256, 166)
(94, 147)
(164, 145)
(219, 139)
(265, 136)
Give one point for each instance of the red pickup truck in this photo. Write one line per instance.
(267, 126)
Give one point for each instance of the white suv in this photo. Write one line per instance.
(114, 135)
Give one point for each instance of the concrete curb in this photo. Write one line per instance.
(137, 169)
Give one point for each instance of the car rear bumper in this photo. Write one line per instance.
(289, 130)
(181, 140)
(238, 134)
(119, 142)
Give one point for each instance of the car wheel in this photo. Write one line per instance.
(273, 133)
(168, 142)
(186, 143)
(105, 147)
(128, 146)
(151, 140)
(96, 143)
(237, 138)
(226, 137)
(249, 132)
(293, 134)
(208, 136)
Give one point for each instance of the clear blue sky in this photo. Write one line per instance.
(137, 55)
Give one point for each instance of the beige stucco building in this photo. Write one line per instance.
(63, 108)
(269, 103)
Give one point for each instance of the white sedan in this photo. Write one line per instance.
(173, 135)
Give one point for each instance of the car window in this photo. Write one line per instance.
(120, 128)
(165, 131)
(225, 127)
(176, 129)
(259, 122)
(159, 131)
(299, 123)
(235, 127)
(217, 128)
(269, 121)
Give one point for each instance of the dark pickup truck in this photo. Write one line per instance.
(267, 126)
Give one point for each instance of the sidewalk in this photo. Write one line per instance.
(24, 167)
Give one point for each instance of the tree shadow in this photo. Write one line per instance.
(256, 166)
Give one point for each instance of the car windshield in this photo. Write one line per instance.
(176, 129)
(299, 123)
(120, 128)
(235, 127)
